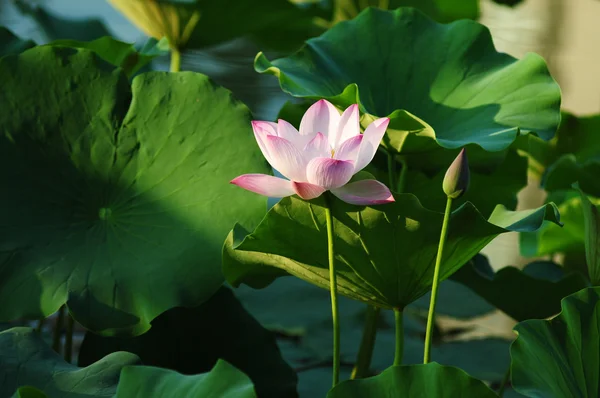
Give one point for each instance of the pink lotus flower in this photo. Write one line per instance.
(323, 156)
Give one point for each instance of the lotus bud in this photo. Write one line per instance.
(456, 180)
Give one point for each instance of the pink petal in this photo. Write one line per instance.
(265, 185)
(364, 192)
(371, 139)
(289, 132)
(329, 173)
(348, 127)
(321, 117)
(349, 148)
(307, 190)
(286, 158)
(317, 147)
(268, 127)
(261, 131)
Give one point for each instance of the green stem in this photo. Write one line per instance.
(69, 338)
(398, 314)
(392, 172)
(505, 381)
(367, 343)
(333, 290)
(175, 60)
(57, 332)
(403, 174)
(436, 280)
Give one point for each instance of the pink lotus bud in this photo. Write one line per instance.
(456, 180)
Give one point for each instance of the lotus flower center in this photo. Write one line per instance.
(104, 213)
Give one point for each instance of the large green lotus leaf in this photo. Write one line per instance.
(117, 52)
(116, 197)
(223, 381)
(191, 340)
(430, 380)
(385, 254)
(536, 291)
(561, 357)
(11, 44)
(443, 83)
(26, 360)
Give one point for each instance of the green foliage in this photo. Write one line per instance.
(109, 199)
(573, 155)
(191, 340)
(385, 253)
(223, 381)
(430, 380)
(560, 357)
(535, 291)
(117, 53)
(550, 239)
(592, 238)
(433, 97)
(26, 360)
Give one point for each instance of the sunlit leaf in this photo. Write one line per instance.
(113, 202)
(441, 85)
(385, 254)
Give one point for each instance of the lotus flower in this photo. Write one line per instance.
(323, 156)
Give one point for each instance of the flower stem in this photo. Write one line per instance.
(333, 290)
(175, 60)
(436, 280)
(403, 173)
(398, 315)
(367, 343)
(392, 172)
(68, 351)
